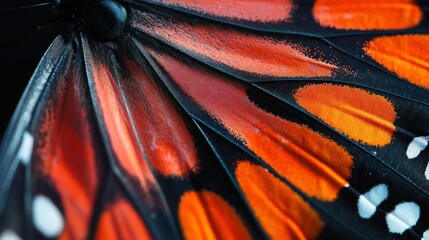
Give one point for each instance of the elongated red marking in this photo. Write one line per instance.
(205, 215)
(118, 126)
(315, 164)
(250, 10)
(66, 149)
(367, 14)
(121, 221)
(165, 138)
(281, 211)
(243, 52)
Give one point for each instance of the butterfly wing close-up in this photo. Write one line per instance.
(223, 119)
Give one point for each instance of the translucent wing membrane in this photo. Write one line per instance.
(203, 123)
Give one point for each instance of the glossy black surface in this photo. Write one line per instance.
(105, 19)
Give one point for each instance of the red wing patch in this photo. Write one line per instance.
(66, 149)
(119, 127)
(165, 138)
(251, 10)
(255, 55)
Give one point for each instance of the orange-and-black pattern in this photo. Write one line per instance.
(224, 119)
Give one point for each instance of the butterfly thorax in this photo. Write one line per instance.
(103, 19)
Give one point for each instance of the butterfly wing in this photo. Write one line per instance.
(204, 124)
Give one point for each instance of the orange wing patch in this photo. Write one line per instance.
(205, 215)
(121, 221)
(250, 10)
(243, 52)
(66, 149)
(367, 14)
(163, 134)
(362, 116)
(281, 211)
(402, 55)
(315, 164)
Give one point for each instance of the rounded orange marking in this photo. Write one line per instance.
(66, 150)
(315, 164)
(402, 55)
(162, 132)
(250, 10)
(281, 211)
(205, 215)
(121, 221)
(362, 116)
(367, 14)
(243, 52)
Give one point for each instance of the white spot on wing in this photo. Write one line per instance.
(417, 145)
(46, 217)
(426, 235)
(427, 172)
(367, 203)
(404, 216)
(9, 235)
(26, 148)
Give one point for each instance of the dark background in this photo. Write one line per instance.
(21, 48)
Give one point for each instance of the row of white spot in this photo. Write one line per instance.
(48, 219)
(416, 146)
(403, 217)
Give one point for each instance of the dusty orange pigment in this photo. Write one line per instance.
(162, 132)
(121, 221)
(205, 215)
(280, 210)
(251, 10)
(122, 138)
(244, 52)
(315, 164)
(66, 150)
(403, 55)
(362, 116)
(367, 14)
